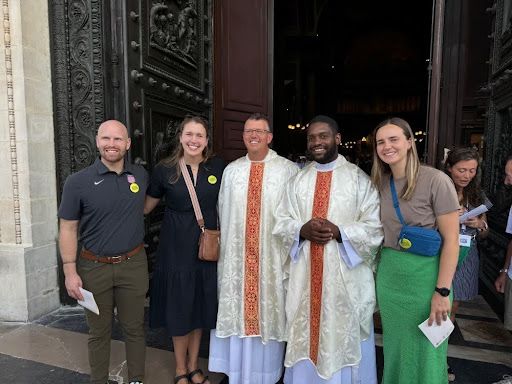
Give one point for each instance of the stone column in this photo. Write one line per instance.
(28, 207)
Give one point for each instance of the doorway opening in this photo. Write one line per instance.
(358, 62)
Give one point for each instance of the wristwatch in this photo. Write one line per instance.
(443, 291)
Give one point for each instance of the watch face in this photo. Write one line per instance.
(443, 291)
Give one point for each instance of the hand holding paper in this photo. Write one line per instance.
(437, 333)
(88, 301)
(473, 213)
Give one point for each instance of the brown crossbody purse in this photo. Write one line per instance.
(209, 239)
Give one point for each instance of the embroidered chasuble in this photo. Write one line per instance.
(250, 267)
(320, 208)
(252, 250)
(330, 300)
(249, 340)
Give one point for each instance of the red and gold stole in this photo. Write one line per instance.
(252, 250)
(320, 209)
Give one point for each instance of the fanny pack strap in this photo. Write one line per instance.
(395, 200)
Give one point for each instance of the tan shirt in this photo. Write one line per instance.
(433, 196)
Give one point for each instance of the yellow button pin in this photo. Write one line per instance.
(212, 179)
(405, 243)
(134, 187)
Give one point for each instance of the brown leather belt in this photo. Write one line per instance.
(88, 255)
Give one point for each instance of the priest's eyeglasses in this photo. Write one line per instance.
(259, 132)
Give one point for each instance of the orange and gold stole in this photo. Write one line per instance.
(320, 208)
(252, 250)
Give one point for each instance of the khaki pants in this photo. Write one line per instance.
(124, 286)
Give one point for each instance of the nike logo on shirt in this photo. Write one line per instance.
(98, 182)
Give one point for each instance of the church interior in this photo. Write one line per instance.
(357, 62)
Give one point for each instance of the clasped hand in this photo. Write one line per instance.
(320, 231)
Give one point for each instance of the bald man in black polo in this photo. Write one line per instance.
(102, 205)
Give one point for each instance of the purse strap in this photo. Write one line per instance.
(192, 193)
(395, 200)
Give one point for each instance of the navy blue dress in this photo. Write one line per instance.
(183, 294)
(465, 280)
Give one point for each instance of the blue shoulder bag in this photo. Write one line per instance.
(417, 240)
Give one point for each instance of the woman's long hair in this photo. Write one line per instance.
(172, 161)
(412, 166)
(472, 193)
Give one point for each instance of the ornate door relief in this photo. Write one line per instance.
(126, 60)
(498, 138)
(78, 68)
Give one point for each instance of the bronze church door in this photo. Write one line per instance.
(167, 73)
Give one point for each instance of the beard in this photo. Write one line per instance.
(330, 154)
(112, 157)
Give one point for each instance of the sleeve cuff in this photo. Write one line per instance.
(296, 247)
(347, 252)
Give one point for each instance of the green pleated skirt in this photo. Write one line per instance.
(405, 284)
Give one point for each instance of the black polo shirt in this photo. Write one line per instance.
(110, 212)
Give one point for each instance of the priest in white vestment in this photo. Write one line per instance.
(329, 221)
(248, 342)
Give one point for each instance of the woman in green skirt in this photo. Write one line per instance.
(412, 288)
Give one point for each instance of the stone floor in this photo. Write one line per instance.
(54, 350)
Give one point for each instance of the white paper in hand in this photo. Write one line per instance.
(88, 301)
(437, 333)
(473, 213)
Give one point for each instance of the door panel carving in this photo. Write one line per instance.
(502, 35)
(498, 144)
(78, 82)
(173, 45)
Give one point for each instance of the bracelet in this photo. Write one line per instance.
(504, 270)
(69, 262)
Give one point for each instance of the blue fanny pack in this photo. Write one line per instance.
(417, 240)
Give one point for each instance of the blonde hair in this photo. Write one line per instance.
(172, 161)
(412, 166)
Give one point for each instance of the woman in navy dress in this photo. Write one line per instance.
(184, 288)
